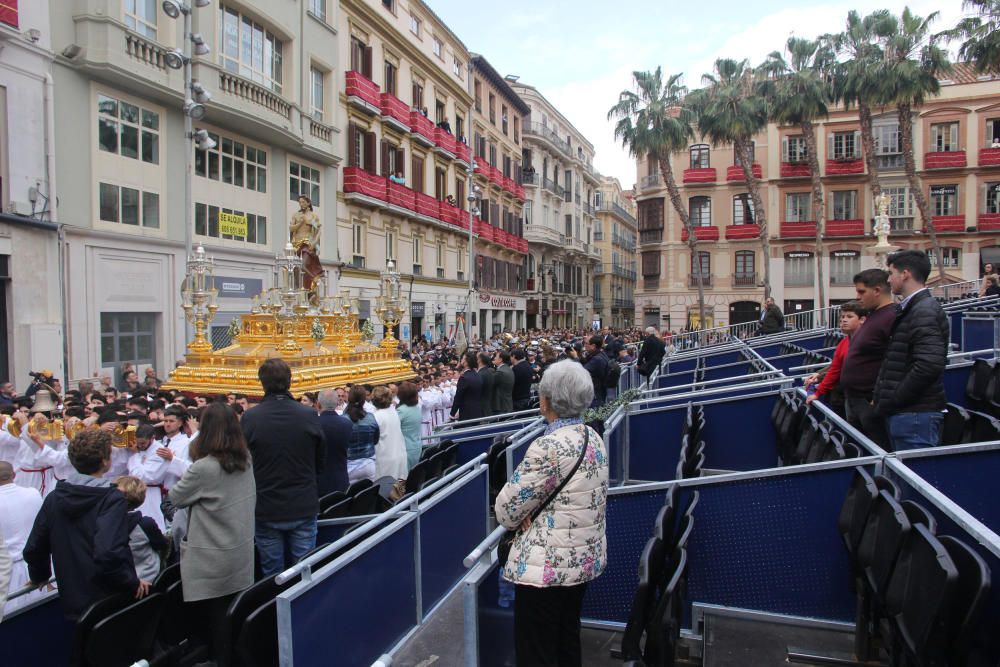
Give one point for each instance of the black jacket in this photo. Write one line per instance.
(337, 433)
(651, 354)
(911, 376)
(288, 450)
(523, 375)
(468, 396)
(503, 390)
(774, 320)
(489, 389)
(85, 530)
(597, 366)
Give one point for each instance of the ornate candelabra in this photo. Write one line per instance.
(389, 303)
(882, 229)
(292, 301)
(198, 297)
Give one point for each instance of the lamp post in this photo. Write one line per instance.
(195, 98)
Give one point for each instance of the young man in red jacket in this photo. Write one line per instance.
(852, 316)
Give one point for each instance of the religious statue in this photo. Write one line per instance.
(304, 232)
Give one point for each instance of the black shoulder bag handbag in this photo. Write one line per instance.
(503, 547)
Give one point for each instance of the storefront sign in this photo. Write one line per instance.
(238, 288)
(232, 224)
(798, 255)
(417, 309)
(845, 253)
(501, 302)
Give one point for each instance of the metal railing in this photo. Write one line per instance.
(955, 290)
(706, 281)
(546, 132)
(530, 178)
(553, 187)
(618, 210)
(650, 181)
(744, 280)
(624, 303)
(621, 271)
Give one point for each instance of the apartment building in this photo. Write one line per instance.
(500, 247)
(31, 317)
(405, 93)
(615, 237)
(270, 70)
(559, 181)
(957, 152)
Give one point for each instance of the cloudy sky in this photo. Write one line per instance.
(581, 54)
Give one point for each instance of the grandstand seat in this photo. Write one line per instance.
(365, 501)
(981, 427)
(917, 513)
(257, 643)
(954, 424)
(245, 603)
(496, 459)
(977, 384)
(93, 615)
(808, 433)
(851, 451)
(331, 499)
(692, 467)
(173, 630)
(450, 449)
(138, 622)
(166, 578)
(358, 486)
(338, 510)
(435, 465)
(974, 582)
(415, 478)
(663, 632)
(429, 451)
(643, 600)
(854, 512)
(404, 498)
(450, 469)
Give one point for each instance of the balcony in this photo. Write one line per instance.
(842, 167)
(618, 210)
(598, 236)
(900, 225)
(426, 205)
(623, 272)
(255, 94)
(395, 112)
(628, 304)
(989, 157)
(949, 223)
(742, 232)
(707, 233)
(444, 143)
(649, 182)
(944, 160)
(794, 230)
(651, 235)
(360, 183)
(800, 280)
(484, 230)
(362, 93)
(453, 215)
(706, 281)
(988, 222)
(588, 209)
(422, 129)
(598, 304)
(462, 152)
(845, 228)
(400, 195)
(699, 176)
(794, 170)
(735, 172)
(533, 179)
(841, 278)
(744, 280)
(651, 283)
(553, 187)
(550, 135)
(542, 234)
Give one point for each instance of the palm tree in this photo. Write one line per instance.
(913, 63)
(799, 91)
(981, 35)
(730, 110)
(652, 122)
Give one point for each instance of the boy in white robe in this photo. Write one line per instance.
(18, 507)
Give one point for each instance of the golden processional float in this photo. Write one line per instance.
(317, 334)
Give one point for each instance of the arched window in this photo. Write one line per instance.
(699, 156)
(746, 270)
(743, 209)
(700, 210)
(704, 263)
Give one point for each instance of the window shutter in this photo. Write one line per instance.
(400, 161)
(352, 145)
(857, 144)
(370, 166)
(954, 136)
(830, 147)
(385, 159)
(989, 134)
(367, 61)
(852, 205)
(784, 150)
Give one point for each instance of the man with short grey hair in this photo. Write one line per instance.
(337, 432)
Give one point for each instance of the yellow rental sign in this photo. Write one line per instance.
(232, 224)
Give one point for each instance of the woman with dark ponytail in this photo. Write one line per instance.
(364, 437)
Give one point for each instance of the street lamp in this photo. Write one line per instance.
(195, 98)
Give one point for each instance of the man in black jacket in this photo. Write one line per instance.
(83, 527)
(487, 373)
(523, 376)
(468, 402)
(337, 433)
(909, 392)
(288, 450)
(772, 320)
(596, 363)
(651, 354)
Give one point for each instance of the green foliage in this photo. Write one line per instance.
(234, 328)
(651, 121)
(601, 413)
(368, 330)
(318, 332)
(980, 35)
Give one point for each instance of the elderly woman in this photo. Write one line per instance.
(560, 545)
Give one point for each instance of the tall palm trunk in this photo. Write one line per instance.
(753, 185)
(682, 212)
(916, 187)
(819, 211)
(868, 148)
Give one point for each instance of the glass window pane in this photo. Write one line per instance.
(200, 163)
(107, 135)
(130, 113)
(262, 157)
(150, 147)
(107, 350)
(109, 202)
(144, 323)
(251, 154)
(144, 345)
(238, 173)
(293, 188)
(227, 169)
(251, 228)
(213, 221)
(126, 323)
(150, 120)
(107, 323)
(200, 219)
(150, 210)
(251, 177)
(130, 206)
(130, 141)
(293, 168)
(213, 165)
(261, 230)
(126, 348)
(261, 180)
(238, 149)
(314, 196)
(227, 146)
(107, 105)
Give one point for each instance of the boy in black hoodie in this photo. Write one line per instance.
(83, 526)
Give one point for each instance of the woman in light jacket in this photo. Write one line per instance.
(554, 557)
(410, 421)
(390, 452)
(220, 496)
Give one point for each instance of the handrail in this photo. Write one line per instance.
(484, 547)
(661, 391)
(492, 419)
(305, 566)
(29, 588)
(700, 394)
(958, 355)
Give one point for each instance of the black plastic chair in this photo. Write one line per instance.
(807, 435)
(89, 619)
(435, 465)
(125, 636)
(429, 451)
(450, 450)
(644, 600)
(243, 605)
(852, 451)
(821, 446)
(257, 642)
(358, 486)
(917, 513)
(415, 478)
(977, 384)
(954, 424)
(338, 510)
(692, 468)
(663, 632)
(166, 578)
(496, 459)
(981, 427)
(174, 629)
(331, 499)
(854, 512)
(365, 502)
(974, 582)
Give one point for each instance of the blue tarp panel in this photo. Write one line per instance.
(39, 637)
(978, 333)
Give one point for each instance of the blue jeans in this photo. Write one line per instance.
(915, 430)
(282, 543)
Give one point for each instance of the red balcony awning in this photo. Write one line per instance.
(798, 229)
(844, 167)
(702, 175)
(735, 172)
(702, 233)
(944, 160)
(845, 228)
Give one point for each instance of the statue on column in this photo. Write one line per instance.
(304, 231)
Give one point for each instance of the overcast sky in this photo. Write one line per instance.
(580, 55)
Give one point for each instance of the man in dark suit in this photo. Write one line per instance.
(772, 320)
(337, 432)
(523, 377)
(651, 354)
(487, 373)
(469, 392)
(288, 450)
(503, 385)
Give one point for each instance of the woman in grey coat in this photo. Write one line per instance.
(219, 493)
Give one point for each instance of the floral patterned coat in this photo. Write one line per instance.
(566, 544)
